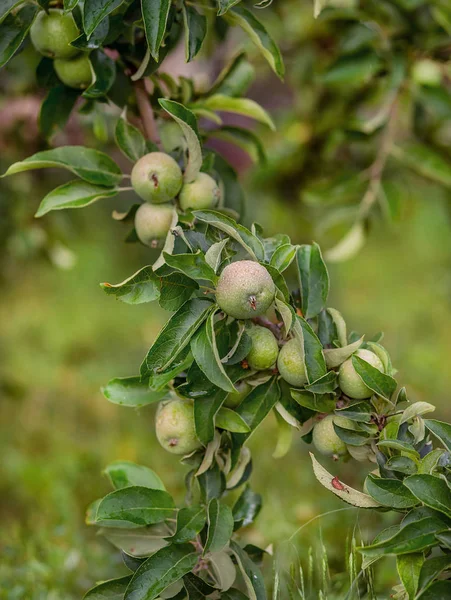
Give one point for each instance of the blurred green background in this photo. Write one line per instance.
(62, 338)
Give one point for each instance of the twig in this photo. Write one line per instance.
(264, 322)
(146, 112)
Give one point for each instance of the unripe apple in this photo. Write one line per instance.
(245, 290)
(349, 380)
(201, 193)
(427, 72)
(174, 426)
(152, 223)
(75, 73)
(234, 399)
(52, 33)
(265, 349)
(291, 364)
(156, 178)
(325, 440)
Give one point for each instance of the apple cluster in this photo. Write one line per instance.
(158, 180)
(52, 33)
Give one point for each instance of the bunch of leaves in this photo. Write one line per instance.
(371, 83)
(128, 40)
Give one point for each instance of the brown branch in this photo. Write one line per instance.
(264, 322)
(146, 112)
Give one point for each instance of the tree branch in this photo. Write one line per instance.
(146, 112)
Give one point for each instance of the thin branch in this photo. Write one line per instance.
(146, 112)
(273, 327)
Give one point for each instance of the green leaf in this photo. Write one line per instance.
(313, 280)
(220, 526)
(95, 11)
(258, 34)
(74, 194)
(258, 403)
(56, 109)
(440, 590)
(175, 335)
(390, 492)
(124, 473)
(195, 31)
(241, 106)
(131, 391)
(162, 569)
(353, 70)
(324, 385)
(252, 575)
(318, 403)
(104, 69)
(430, 570)
(336, 356)
(245, 139)
(175, 290)
(315, 363)
(239, 233)
(192, 265)
(230, 421)
(129, 139)
(188, 123)
(401, 464)
(190, 521)
(205, 410)
(424, 161)
(135, 505)
(142, 286)
(206, 355)
(213, 256)
(114, 589)
(90, 165)
(224, 570)
(196, 587)
(409, 567)
(224, 5)
(360, 412)
(246, 508)
(441, 430)
(13, 31)
(344, 492)
(429, 462)
(349, 245)
(7, 6)
(159, 381)
(401, 446)
(236, 77)
(416, 409)
(155, 16)
(283, 257)
(431, 491)
(414, 537)
(350, 436)
(378, 382)
(138, 542)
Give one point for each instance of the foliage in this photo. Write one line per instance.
(201, 353)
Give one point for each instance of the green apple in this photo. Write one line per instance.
(349, 380)
(201, 193)
(265, 349)
(152, 223)
(75, 73)
(325, 440)
(156, 178)
(234, 399)
(245, 290)
(291, 364)
(174, 426)
(52, 32)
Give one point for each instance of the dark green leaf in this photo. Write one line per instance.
(247, 507)
(401, 464)
(230, 421)
(104, 74)
(245, 139)
(431, 569)
(360, 412)
(252, 576)
(440, 590)
(90, 165)
(190, 521)
(195, 31)
(313, 280)
(196, 587)
(381, 384)
(114, 589)
(74, 194)
(162, 569)
(95, 11)
(131, 391)
(141, 287)
(315, 363)
(235, 78)
(155, 16)
(85, 42)
(258, 34)
(212, 484)
(349, 436)
(124, 473)
(192, 265)
(129, 139)
(56, 108)
(13, 31)
(318, 403)
(220, 526)
(7, 6)
(283, 257)
(188, 123)
(390, 492)
(409, 567)
(135, 505)
(258, 403)
(441, 430)
(241, 234)
(175, 335)
(324, 385)
(205, 410)
(432, 491)
(224, 5)
(175, 290)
